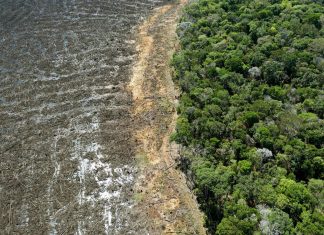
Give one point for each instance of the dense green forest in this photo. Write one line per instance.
(251, 73)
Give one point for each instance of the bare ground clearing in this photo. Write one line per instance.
(167, 206)
(69, 159)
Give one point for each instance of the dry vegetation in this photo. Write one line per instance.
(167, 205)
(67, 150)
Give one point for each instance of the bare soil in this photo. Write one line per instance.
(67, 162)
(167, 206)
(84, 150)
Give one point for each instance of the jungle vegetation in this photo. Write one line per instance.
(251, 75)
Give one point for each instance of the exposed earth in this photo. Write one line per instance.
(87, 106)
(167, 205)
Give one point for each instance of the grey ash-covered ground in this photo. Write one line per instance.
(66, 149)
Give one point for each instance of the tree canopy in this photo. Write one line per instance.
(251, 112)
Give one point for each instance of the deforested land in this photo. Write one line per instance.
(87, 105)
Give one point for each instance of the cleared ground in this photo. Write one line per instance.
(66, 148)
(163, 198)
(87, 105)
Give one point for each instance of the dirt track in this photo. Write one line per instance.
(167, 205)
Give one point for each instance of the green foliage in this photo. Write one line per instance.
(244, 166)
(312, 223)
(250, 118)
(316, 187)
(297, 196)
(251, 112)
(238, 219)
(183, 131)
(277, 222)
